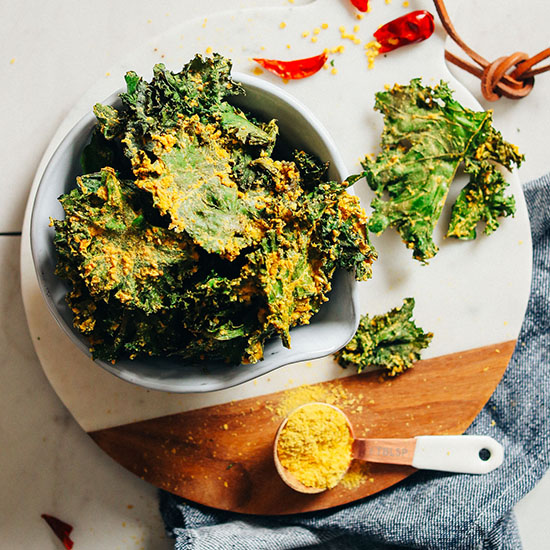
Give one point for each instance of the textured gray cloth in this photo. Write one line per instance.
(428, 510)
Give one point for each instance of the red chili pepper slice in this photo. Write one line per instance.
(361, 5)
(61, 529)
(292, 70)
(412, 27)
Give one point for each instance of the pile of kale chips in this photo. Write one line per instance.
(185, 236)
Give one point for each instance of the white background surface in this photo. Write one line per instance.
(51, 54)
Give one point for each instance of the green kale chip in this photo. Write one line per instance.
(392, 341)
(427, 135)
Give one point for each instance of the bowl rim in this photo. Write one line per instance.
(253, 371)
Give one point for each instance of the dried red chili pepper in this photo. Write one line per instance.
(361, 5)
(412, 27)
(61, 529)
(292, 70)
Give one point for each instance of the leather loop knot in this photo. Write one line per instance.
(493, 81)
(512, 76)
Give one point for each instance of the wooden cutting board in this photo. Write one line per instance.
(222, 456)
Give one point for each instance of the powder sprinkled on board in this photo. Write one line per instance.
(333, 393)
(357, 474)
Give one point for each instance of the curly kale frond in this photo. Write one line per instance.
(392, 341)
(427, 135)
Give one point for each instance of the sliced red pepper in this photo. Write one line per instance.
(407, 29)
(292, 70)
(61, 529)
(361, 5)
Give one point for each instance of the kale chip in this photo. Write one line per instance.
(392, 341)
(427, 135)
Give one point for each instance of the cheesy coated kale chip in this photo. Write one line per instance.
(188, 235)
(427, 135)
(392, 341)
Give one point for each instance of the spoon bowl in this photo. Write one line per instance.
(287, 476)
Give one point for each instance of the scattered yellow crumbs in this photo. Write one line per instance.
(282, 25)
(357, 474)
(288, 46)
(12, 60)
(324, 26)
(305, 34)
(372, 49)
(406, 4)
(337, 49)
(334, 70)
(225, 427)
(316, 30)
(204, 22)
(356, 28)
(314, 39)
(257, 71)
(346, 36)
(315, 445)
(208, 50)
(360, 15)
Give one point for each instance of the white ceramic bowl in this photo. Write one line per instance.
(329, 330)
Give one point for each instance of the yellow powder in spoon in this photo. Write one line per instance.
(315, 445)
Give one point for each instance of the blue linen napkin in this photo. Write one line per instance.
(428, 510)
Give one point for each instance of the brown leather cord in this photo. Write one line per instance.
(510, 76)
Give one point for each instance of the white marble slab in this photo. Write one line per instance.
(466, 278)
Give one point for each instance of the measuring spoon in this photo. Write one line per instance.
(467, 454)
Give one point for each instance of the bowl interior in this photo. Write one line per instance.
(329, 330)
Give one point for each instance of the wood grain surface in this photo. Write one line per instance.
(222, 456)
